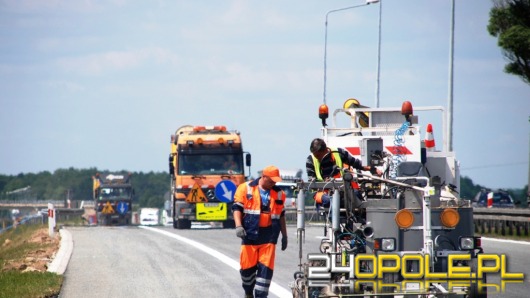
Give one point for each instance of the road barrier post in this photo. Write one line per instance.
(51, 220)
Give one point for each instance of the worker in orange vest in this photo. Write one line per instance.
(325, 163)
(259, 217)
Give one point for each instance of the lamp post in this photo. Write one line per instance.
(368, 2)
(450, 92)
(378, 56)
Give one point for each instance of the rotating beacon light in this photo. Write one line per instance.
(323, 113)
(406, 110)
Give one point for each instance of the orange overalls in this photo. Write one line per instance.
(262, 225)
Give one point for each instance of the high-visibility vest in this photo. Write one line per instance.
(253, 215)
(335, 157)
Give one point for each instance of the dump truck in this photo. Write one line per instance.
(113, 198)
(402, 233)
(206, 164)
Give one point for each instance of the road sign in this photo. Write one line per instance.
(225, 190)
(122, 207)
(196, 195)
(107, 209)
(211, 211)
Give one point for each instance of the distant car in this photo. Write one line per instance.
(149, 217)
(288, 188)
(501, 199)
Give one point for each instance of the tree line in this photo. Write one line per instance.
(151, 189)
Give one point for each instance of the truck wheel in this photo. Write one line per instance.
(183, 224)
(229, 224)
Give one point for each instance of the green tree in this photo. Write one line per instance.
(510, 23)
(150, 188)
(468, 190)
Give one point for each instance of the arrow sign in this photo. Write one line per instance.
(122, 207)
(225, 190)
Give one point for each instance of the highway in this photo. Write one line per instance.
(201, 262)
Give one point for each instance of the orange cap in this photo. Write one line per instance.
(273, 173)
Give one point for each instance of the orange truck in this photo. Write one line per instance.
(206, 164)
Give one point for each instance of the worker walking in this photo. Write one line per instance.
(259, 217)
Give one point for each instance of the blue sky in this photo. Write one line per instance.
(105, 83)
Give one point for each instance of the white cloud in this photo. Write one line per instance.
(62, 85)
(97, 64)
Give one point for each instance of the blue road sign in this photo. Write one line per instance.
(122, 207)
(225, 191)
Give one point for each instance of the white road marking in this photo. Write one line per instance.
(505, 240)
(275, 288)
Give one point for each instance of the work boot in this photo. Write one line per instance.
(249, 296)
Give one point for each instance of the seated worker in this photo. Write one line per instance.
(325, 163)
(230, 165)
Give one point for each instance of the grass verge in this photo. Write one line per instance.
(30, 284)
(24, 255)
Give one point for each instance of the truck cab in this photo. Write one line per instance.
(206, 164)
(113, 197)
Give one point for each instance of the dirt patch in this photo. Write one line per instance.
(36, 259)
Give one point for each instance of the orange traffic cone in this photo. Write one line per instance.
(429, 139)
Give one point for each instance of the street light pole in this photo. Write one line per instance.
(368, 2)
(378, 57)
(450, 95)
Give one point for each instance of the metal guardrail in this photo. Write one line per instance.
(29, 203)
(61, 215)
(28, 220)
(502, 221)
(311, 215)
(498, 221)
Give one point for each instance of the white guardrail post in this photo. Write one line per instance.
(51, 219)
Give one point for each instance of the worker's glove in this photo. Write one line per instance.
(240, 232)
(284, 243)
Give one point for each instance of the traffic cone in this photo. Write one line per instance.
(429, 139)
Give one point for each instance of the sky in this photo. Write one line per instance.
(105, 83)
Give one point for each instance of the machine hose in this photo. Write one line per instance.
(398, 144)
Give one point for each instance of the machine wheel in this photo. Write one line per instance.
(474, 290)
(389, 279)
(183, 224)
(103, 220)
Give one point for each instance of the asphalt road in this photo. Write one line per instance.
(203, 262)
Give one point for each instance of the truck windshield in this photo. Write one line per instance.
(210, 164)
(114, 193)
